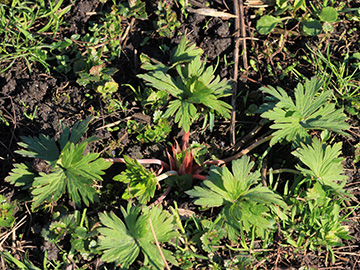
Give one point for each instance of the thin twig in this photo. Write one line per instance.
(250, 135)
(236, 72)
(247, 150)
(17, 226)
(162, 197)
(243, 34)
(158, 245)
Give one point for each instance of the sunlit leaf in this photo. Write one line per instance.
(121, 242)
(244, 204)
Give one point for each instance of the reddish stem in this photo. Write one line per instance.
(162, 197)
(185, 140)
(199, 176)
(142, 161)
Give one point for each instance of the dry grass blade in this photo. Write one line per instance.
(4, 236)
(260, 3)
(158, 245)
(212, 13)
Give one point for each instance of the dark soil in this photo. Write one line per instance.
(59, 99)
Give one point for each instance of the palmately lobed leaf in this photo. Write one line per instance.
(240, 199)
(196, 90)
(122, 242)
(184, 52)
(141, 182)
(323, 162)
(48, 188)
(76, 173)
(21, 175)
(310, 111)
(116, 242)
(42, 147)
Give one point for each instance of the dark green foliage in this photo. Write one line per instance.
(71, 171)
(197, 91)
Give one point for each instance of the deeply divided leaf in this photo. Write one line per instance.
(122, 242)
(76, 174)
(141, 182)
(244, 205)
(323, 163)
(309, 111)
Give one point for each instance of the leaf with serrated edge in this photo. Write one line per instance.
(21, 175)
(42, 148)
(236, 194)
(310, 111)
(75, 174)
(323, 162)
(122, 242)
(141, 182)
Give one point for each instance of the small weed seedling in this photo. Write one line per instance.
(22, 31)
(7, 209)
(320, 19)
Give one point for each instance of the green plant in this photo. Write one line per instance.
(316, 198)
(16, 264)
(70, 170)
(141, 182)
(150, 133)
(7, 211)
(22, 28)
(151, 100)
(79, 227)
(167, 21)
(197, 91)
(100, 79)
(3, 119)
(134, 9)
(245, 207)
(323, 164)
(316, 221)
(31, 116)
(321, 18)
(310, 111)
(142, 231)
(339, 75)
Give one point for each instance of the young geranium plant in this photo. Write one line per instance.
(69, 169)
(196, 92)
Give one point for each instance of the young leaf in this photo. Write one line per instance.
(73, 136)
(75, 174)
(196, 91)
(122, 242)
(42, 148)
(328, 14)
(244, 205)
(21, 175)
(184, 52)
(142, 183)
(266, 24)
(310, 111)
(312, 27)
(323, 162)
